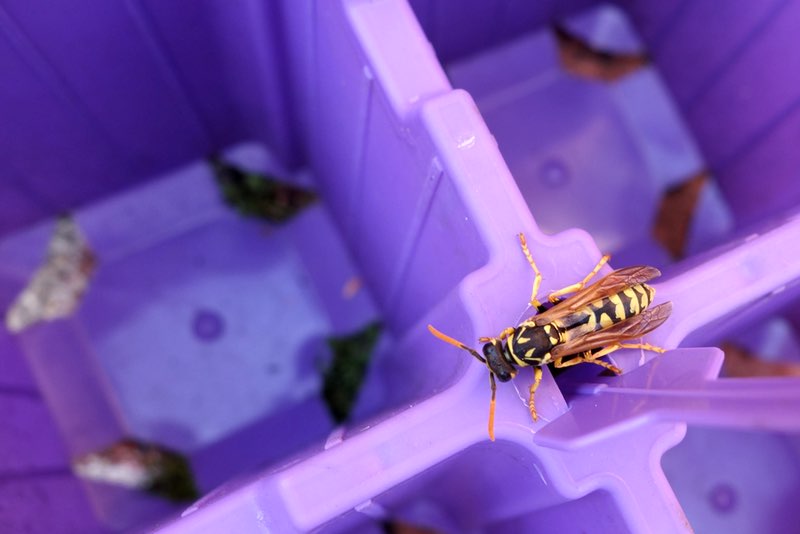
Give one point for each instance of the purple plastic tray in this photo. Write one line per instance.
(434, 133)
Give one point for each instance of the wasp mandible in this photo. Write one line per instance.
(582, 328)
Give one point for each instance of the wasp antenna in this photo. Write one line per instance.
(448, 339)
(492, 404)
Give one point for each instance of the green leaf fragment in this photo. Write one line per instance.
(343, 378)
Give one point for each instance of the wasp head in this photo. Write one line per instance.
(496, 361)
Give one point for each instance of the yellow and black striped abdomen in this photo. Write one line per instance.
(607, 311)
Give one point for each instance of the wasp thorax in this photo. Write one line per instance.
(543, 338)
(496, 361)
(533, 343)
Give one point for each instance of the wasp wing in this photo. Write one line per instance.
(631, 328)
(608, 285)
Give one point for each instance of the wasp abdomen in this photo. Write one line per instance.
(608, 311)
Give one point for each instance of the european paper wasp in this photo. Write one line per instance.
(592, 323)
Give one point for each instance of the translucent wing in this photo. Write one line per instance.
(608, 285)
(631, 328)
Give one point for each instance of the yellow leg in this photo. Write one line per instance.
(553, 297)
(503, 335)
(585, 358)
(537, 379)
(616, 346)
(644, 346)
(606, 351)
(537, 279)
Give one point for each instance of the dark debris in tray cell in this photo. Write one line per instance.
(260, 196)
(57, 287)
(142, 466)
(739, 362)
(675, 213)
(399, 527)
(581, 59)
(343, 378)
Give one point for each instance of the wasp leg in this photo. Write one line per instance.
(616, 346)
(553, 297)
(537, 379)
(537, 279)
(492, 405)
(503, 335)
(587, 357)
(644, 346)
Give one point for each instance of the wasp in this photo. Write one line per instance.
(594, 322)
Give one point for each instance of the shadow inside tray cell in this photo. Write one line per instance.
(596, 511)
(260, 443)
